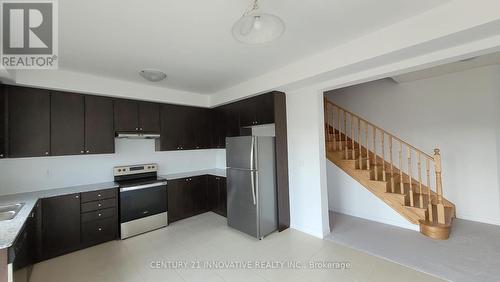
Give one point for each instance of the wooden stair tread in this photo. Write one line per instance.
(382, 189)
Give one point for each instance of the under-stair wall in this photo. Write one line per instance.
(459, 114)
(347, 196)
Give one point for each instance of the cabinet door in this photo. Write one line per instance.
(232, 120)
(126, 115)
(265, 108)
(218, 128)
(200, 124)
(29, 122)
(67, 124)
(3, 127)
(247, 109)
(176, 197)
(60, 225)
(199, 194)
(171, 126)
(149, 117)
(222, 196)
(212, 193)
(99, 133)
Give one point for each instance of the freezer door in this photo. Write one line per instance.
(242, 202)
(240, 152)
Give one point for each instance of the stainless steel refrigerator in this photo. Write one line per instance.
(251, 185)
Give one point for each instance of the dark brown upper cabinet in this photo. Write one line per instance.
(184, 128)
(67, 124)
(133, 116)
(99, 133)
(28, 122)
(149, 116)
(257, 110)
(3, 125)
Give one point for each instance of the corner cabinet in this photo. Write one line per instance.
(217, 194)
(28, 121)
(187, 197)
(184, 128)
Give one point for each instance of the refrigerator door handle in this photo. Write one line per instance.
(252, 153)
(253, 186)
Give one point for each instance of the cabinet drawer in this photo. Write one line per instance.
(98, 195)
(96, 215)
(98, 205)
(99, 230)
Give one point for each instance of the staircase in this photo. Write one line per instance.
(404, 177)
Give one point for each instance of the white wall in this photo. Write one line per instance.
(306, 162)
(29, 174)
(458, 113)
(347, 196)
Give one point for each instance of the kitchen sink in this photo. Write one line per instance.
(8, 212)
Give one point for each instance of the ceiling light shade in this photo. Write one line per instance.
(153, 75)
(255, 27)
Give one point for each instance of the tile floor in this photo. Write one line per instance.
(472, 253)
(206, 238)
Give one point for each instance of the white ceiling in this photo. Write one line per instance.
(191, 40)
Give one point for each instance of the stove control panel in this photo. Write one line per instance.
(134, 169)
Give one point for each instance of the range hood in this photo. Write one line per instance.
(137, 135)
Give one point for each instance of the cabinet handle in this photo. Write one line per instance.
(99, 214)
(81, 152)
(98, 195)
(99, 205)
(141, 129)
(1, 155)
(76, 197)
(88, 151)
(100, 229)
(46, 153)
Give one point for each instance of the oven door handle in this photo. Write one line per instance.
(126, 189)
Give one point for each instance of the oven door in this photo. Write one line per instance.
(142, 201)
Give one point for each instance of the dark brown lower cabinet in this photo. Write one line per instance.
(217, 194)
(77, 221)
(187, 197)
(60, 225)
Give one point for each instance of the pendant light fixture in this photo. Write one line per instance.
(255, 27)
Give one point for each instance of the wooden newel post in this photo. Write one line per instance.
(439, 187)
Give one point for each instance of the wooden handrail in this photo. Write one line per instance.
(344, 130)
(382, 130)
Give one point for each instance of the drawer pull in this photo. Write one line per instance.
(99, 214)
(100, 229)
(99, 205)
(98, 195)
